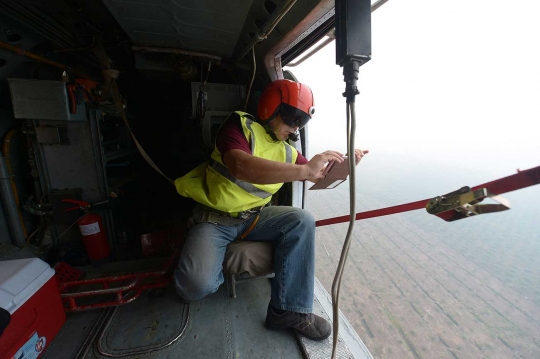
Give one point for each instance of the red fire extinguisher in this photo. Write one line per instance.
(92, 230)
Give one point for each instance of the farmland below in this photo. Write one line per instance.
(416, 286)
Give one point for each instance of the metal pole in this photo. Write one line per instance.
(378, 4)
(167, 50)
(312, 52)
(10, 205)
(267, 27)
(18, 51)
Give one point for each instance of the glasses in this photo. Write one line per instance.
(292, 116)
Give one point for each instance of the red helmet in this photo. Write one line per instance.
(293, 101)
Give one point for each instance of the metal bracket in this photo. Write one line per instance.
(52, 135)
(464, 203)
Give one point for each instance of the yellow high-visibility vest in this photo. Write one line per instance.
(212, 185)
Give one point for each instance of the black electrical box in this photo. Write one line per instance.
(353, 31)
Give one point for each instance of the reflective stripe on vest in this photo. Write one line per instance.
(246, 186)
(288, 153)
(248, 125)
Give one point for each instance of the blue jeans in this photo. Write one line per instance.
(292, 230)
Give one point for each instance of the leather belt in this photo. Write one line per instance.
(205, 214)
(248, 213)
(215, 218)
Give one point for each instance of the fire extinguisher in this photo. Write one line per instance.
(92, 230)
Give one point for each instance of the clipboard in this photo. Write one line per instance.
(335, 174)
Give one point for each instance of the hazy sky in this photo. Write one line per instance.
(457, 81)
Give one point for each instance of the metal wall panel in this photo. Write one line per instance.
(42, 100)
(77, 165)
(220, 101)
(74, 166)
(6, 120)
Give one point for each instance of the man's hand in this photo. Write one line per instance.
(317, 164)
(358, 154)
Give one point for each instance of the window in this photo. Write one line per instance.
(449, 99)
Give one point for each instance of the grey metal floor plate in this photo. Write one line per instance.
(349, 343)
(72, 336)
(252, 339)
(147, 325)
(323, 349)
(217, 327)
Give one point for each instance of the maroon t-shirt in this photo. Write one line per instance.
(231, 137)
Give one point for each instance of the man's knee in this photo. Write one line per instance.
(195, 287)
(304, 217)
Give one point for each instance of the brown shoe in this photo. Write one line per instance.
(308, 324)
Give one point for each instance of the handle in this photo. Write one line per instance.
(72, 99)
(80, 204)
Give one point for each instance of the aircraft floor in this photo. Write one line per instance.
(218, 326)
(162, 327)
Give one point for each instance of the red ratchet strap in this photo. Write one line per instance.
(520, 180)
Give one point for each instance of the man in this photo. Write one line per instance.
(250, 162)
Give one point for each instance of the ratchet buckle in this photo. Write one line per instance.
(465, 203)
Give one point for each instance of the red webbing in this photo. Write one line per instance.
(514, 182)
(375, 213)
